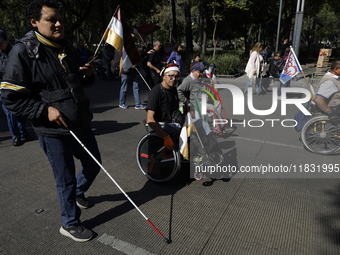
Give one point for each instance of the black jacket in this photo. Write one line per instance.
(34, 78)
(275, 67)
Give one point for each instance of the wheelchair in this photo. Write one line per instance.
(155, 161)
(319, 135)
(161, 165)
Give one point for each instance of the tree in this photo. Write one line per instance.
(217, 15)
(188, 30)
(174, 25)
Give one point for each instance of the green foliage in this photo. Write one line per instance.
(226, 64)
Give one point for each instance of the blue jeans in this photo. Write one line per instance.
(60, 151)
(287, 84)
(125, 81)
(16, 124)
(257, 85)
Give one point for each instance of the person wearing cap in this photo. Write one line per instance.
(15, 124)
(191, 86)
(191, 83)
(163, 101)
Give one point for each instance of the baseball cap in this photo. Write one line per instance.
(3, 35)
(198, 67)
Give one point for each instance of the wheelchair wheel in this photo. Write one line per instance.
(155, 161)
(320, 136)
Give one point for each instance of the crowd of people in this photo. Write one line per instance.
(44, 78)
(255, 69)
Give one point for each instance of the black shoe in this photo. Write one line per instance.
(228, 130)
(17, 141)
(82, 202)
(28, 137)
(77, 233)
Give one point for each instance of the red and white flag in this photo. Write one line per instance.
(292, 67)
(119, 36)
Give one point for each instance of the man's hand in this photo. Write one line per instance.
(168, 143)
(88, 69)
(54, 115)
(334, 118)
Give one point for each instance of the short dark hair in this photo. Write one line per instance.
(277, 53)
(335, 63)
(33, 10)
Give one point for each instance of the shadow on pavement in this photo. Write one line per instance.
(110, 126)
(102, 109)
(150, 191)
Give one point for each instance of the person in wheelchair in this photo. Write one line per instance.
(158, 154)
(191, 86)
(327, 97)
(163, 104)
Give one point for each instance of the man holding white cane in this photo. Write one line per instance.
(44, 81)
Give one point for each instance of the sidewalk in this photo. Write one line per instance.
(297, 81)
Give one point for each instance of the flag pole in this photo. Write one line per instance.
(142, 77)
(304, 76)
(104, 34)
(99, 44)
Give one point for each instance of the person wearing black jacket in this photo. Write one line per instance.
(275, 68)
(44, 81)
(276, 65)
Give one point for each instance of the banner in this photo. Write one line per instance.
(292, 67)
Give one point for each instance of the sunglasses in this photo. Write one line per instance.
(172, 76)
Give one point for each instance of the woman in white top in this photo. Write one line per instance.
(254, 68)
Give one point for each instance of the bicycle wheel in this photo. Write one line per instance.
(320, 136)
(155, 161)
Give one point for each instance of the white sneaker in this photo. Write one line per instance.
(279, 98)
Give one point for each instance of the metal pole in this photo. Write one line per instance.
(298, 26)
(295, 24)
(202, 20)
(142, 78)
(278, 28)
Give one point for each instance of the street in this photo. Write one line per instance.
(241, 213)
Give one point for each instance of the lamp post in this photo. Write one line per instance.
(298, 26)
(278, 28)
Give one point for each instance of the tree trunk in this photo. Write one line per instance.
(174, 30)
(188, 30)
(214, 42)
(204, 41)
